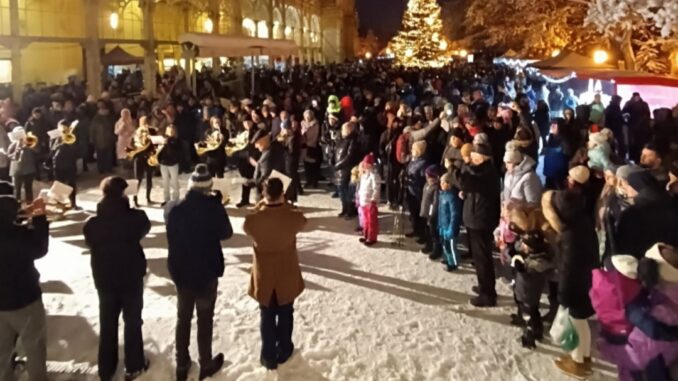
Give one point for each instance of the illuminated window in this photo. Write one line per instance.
(130, 24)
(56, 18)
(262, 29)
(249, 27)
(5, 71)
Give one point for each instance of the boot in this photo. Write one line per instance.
(245, 197)
(134, 375)
(571, 368)
(136, 201)
(344, 212)
(483, 301)
(268, 364)
(182, 372)
(212, 368)
(527, 340)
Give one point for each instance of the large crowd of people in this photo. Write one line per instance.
(580, 201)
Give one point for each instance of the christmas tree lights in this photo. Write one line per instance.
(421, 41)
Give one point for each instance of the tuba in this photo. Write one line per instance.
(153, 160)
(138, 147)
(238, 143)
(31, 140)
(67, 136)
(211, 143)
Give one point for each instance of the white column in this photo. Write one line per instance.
(15, 31)
(150, 62)
(92, 47)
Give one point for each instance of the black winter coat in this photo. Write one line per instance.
(652, 218)
(429, 203)
(65, 156)
(196, 226)
(19, 247)
(346, 156)
(270, 160)
(114, 236)
(170, 153)
(577, 251)
(482, 204)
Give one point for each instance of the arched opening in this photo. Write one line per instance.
(249, 27)
(262, 29)
(278, 27)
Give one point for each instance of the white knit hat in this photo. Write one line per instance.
(668, 272)
(513, 157)
(580, 174)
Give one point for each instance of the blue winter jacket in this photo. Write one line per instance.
(416, 177)
(450, 213)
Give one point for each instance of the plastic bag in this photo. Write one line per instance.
(562, 332)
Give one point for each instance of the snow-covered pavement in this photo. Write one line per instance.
(368, 314)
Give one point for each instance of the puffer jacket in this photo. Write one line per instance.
(369, 189)
(523, 184)
(416, 177)
(449, 213)
(429, 199)
(652, 345)
(346, 156)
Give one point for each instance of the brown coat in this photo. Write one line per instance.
(274, 231)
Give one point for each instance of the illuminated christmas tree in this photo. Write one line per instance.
(421, 41)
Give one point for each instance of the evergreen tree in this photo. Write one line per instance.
(421, 41)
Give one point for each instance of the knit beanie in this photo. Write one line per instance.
(481, 138)
(369, 159)
(432, 171)
(625, 171)
(580, 174)
(513, 157)
(200, 180)
(482, 149)
(666, 258)
(641, 180)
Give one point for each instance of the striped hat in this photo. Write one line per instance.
(200, 180)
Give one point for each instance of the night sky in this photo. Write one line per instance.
(382, 16)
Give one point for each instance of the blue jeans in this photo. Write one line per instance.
(343, 189)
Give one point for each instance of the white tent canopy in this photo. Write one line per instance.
(213, 45)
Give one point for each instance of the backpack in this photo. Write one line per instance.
(403, 148)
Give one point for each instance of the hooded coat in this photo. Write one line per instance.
(523, 184)
(577, 246)
(346, 156)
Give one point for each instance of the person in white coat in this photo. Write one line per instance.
(368, 198)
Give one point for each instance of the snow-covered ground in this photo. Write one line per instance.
(368, 314)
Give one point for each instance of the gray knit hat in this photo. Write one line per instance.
(625, 171)
(201, 179)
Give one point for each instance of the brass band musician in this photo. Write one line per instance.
(139, 152)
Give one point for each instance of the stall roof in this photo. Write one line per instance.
(118, 56)
(214, 45)
(625, 77)
(571, 61)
